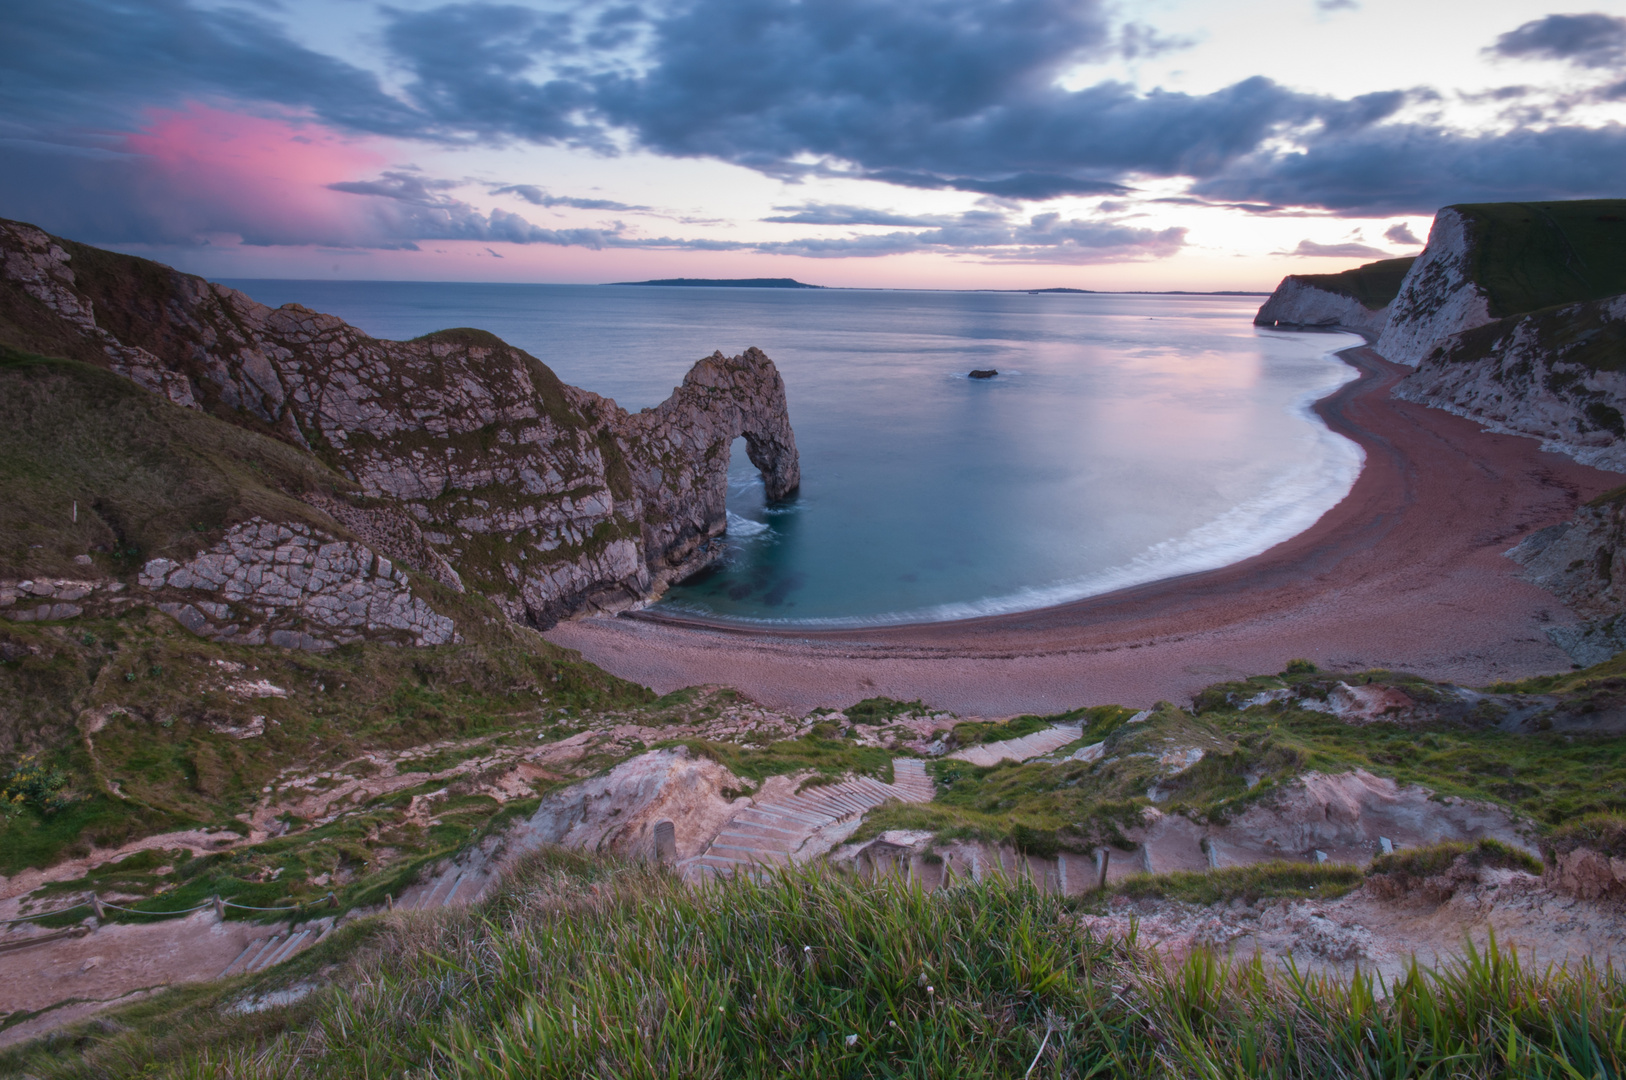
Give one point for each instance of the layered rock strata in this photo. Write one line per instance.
(471, 460)
(276, 583)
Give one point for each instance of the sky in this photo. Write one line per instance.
(1165, 144)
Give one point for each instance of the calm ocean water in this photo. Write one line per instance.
(1126, 438)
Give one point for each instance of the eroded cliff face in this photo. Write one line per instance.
(1553, 375)
(1439, 296)
(1299, 304)
(1583, 562)
(471, 461)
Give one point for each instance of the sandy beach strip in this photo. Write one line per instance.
(1406, 572)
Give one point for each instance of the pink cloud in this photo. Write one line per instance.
(262, 178)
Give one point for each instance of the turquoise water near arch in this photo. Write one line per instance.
(1126, 439)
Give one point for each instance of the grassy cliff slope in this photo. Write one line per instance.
(1374, 284)
(1529, 256)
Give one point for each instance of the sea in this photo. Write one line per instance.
(1125, 439)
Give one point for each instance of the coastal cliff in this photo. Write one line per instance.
(1556, 375)
(1514, 316)
(456, 454)
(1439, 296)
(1353, 300)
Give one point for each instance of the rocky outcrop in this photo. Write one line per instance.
(1587, 858)
(1345, 817)
(618, 811)
(471, 461)
(1553, 375)
(1440, 295)
(1587, 874)
(275, 583)
(51, 599)
(1298, 304)
(678, 456)
(1583, 562)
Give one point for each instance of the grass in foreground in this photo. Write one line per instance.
(591, 968)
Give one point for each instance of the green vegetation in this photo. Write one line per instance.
(91, 462)
(1533, 255)
(1247, 884)
(880, 710)
(165, 755)
(591, 968)
(1603, 833)
(1416, 864)
(1247, 753)
(1374, 284)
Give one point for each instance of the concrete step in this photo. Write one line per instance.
(777, 812)
(779, 829)
(765, 834)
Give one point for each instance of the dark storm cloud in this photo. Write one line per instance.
(471, 67)
(96, 63)
(1413, 169)
(1590, 40)
(941, 93)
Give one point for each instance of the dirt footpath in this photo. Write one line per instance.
(66, 979)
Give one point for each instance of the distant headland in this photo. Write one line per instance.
(728, 283)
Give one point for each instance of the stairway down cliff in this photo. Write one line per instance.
(466, 459)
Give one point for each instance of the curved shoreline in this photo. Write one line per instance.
(1406, 571)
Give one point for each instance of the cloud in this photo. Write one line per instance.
(102, 64)
(470, 67)
(831, 214)
(1337, 5)
(957, 94)
(1593, 40)
(1047, 238)
(1311, 249)
(193, 174)
(417, 207)
(1137, 40)
(1416, 169)
(538, 197)
(964, 95)
(1400, 233)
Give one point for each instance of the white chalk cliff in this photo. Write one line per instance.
(1438, 297)
(1298, 303)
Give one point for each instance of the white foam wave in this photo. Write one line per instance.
(744, 528)
(1293, 502)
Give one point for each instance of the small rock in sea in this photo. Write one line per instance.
(984, 373)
